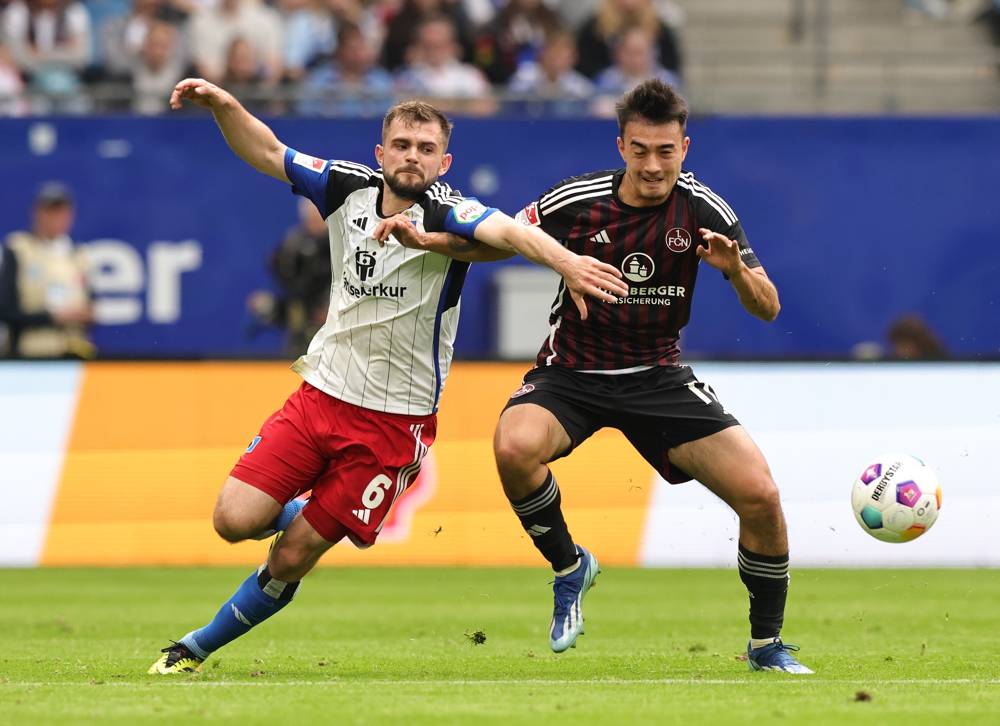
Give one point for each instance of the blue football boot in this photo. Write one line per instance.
(568, 591)
(775, 657)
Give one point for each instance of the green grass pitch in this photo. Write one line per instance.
(395, 645)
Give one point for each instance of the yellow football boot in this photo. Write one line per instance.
(176, 658)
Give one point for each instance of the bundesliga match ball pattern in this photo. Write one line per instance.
(896, 498)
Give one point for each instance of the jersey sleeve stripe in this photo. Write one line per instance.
(716, 197)
(722, 212)
(567, 191)
(546, 197)
(353, 172)
(689, 177)
(586, 195)
(444, 195)
(352, 165)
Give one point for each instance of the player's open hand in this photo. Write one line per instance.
(721, 253)
(402, 230)
(587, 276)
(197, 91)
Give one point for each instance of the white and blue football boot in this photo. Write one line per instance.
(568, 591)
(775, 657)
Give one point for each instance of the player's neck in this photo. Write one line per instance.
(628, 195)
(392, 203)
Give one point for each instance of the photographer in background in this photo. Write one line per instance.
(301, 267)
(44, 295)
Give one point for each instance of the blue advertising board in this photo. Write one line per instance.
(857, 221)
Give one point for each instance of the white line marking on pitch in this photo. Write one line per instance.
(193, 682)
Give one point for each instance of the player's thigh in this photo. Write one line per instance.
(242, 506)
(284, 460)
(552, 412)
(663, 410)
(529, 433)
(731, 465)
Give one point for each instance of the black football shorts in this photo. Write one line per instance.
(656, 409)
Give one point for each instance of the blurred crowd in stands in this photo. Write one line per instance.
(335, 57)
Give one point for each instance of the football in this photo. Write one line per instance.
(896, 498)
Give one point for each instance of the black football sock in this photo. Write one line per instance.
(766, 579)
(542, 519)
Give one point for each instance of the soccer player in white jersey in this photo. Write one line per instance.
(356, 430)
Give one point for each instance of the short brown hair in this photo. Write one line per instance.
(653, 101)
(411, 112)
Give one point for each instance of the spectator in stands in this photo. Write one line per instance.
(312, 28)
(301, 267)
(551, 86)
(44, 296)
(602, 32)
(351, 85)
(123, 38)
(157, 69)
(575, 12)
(635, 62)
(213, 30)
(436, 71)
(401, 30)
(12, 101)
(911, 338)
(51, 42)
(515, 37)
(310, 35)
(245, 76)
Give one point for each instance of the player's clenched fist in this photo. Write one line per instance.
(198, 91)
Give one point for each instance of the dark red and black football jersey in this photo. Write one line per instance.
(654, 247)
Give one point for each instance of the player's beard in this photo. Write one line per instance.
(406, 189)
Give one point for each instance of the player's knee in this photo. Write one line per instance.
(762, 501)
(291, 562)
(516, 450)
(230, 527)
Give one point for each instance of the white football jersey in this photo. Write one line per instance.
(389, 335)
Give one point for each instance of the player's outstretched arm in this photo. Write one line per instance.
(756, 291)
(443, 243)
(246, 135)
(584, 276)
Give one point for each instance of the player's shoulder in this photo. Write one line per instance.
(703, 200)
(581, 189)
(363, 174)
(441, 194)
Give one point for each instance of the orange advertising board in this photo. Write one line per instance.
(151, 444)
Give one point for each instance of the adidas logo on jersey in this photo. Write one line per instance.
(361, 222)
(362, 514)
(601, 238)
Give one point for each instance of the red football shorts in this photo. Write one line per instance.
(356, 461)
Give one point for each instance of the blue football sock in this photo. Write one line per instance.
(284, 518)
(288, 513)
(258, 598)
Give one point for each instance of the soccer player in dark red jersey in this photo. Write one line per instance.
(620, 367)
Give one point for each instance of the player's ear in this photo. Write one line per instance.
(684, 147)
(379, 153)
(621, 147)
(445, 164)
